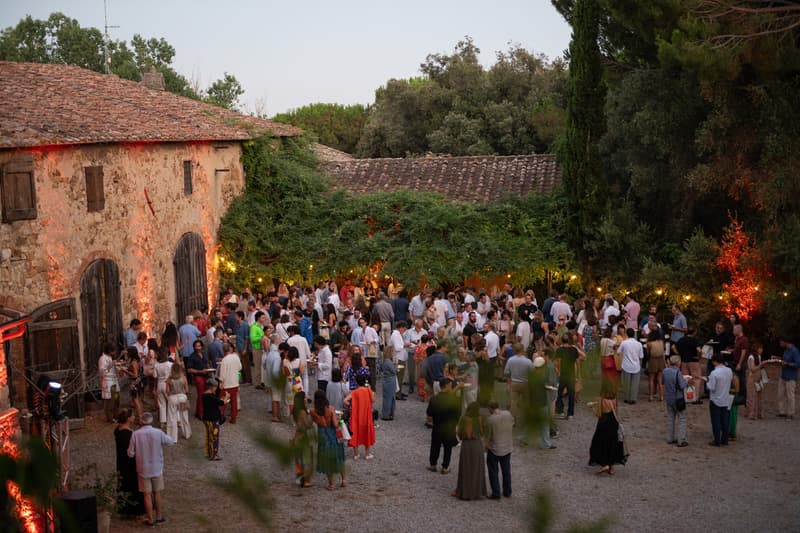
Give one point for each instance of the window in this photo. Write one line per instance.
(95, 195)
(187, 178)
(18, 189)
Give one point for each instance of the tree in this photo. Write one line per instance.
(459, 108)
(225, 92)
(335, 125)
(582, 179)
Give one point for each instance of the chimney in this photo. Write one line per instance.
(153, 79)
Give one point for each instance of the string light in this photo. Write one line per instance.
(659, 291)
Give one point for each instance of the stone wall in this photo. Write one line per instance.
(42, 260)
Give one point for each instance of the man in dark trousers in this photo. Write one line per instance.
(444, 410)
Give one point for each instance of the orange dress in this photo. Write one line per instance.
(361, 426)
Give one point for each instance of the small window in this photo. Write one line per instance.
(187, 178)
(95, 195)
(18, 190)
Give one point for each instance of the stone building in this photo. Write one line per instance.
(111, 193)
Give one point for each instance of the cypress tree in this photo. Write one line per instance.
(584, 186)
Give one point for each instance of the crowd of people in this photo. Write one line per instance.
(447, 348)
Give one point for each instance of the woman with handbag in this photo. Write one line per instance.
(330, 452)
(607, 447)
(674, 386)
(362, 425)
(608, 366)
(655, 365)
(212, 418)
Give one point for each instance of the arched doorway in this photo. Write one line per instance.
(191, 286)
(101, 309)
(52, 350)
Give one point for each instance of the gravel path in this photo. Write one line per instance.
(752, 485)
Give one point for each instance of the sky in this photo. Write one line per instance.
(290, 53)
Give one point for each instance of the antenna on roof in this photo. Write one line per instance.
(106, 54)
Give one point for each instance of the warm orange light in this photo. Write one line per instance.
(659, 292)
(687, 297)
(573, 277)
(785, 294)
(599, 289)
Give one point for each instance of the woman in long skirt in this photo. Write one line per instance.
(606, 449)
(130, 500)
(330, 452)
(471, 464)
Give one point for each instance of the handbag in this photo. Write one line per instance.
(342, 433)
(680, 401)
(372, 351)
(618, 361)
(689, 394)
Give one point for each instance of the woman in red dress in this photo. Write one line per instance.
(362, 427)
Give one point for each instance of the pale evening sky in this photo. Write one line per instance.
(290, 53)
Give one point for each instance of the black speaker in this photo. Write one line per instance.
(81, 506)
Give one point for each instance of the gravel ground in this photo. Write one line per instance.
(752, 485)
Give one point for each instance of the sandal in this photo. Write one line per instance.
(602, 470)
(610, 472)
(329, 487)
(344, 484)
(306, 485)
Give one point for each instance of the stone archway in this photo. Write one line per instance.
(191, 285)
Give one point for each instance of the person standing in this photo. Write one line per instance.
(385, 314)
(517, 371)
(296, 340)
(567, 356)
(161, 372)
(212, 419)
(324, 362)
(330, 452)
(398, 347)
(679, 326)
(257, 331)
(632, 355)
(274, 378)
(188, 333)
(538, 404)
(362, 428)
(606, 449)
(690, 352)
(444, 410)
(471, 484)
(197, 370)
(633, 309)
(500, 426)
(788, 383)
(388, 372)
(719, 387)
(177, 403)
(146, 446)
(673, 386)
(753, 383)
(109, 382)
(228, 375)
(132, 503)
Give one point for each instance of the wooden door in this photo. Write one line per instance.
(101, 309)
(52, 350)
(191, 286)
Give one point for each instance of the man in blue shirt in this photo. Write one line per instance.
(788, 382)
(188, 333)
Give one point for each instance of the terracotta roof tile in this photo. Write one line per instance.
(483, 179)
(42, 104)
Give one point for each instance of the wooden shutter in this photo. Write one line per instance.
(95, 194)
(18, 190)
(187, 178)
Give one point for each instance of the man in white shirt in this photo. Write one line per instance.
(299, 342)
(561, 307)
(492, 340)
(632, 355)
(324, 362)
(608, 311)
(399, 347)
(109, 382)
(370, 349)
(441, 308)
(141, 346)
(228, 377)
(145, 446)
(416, 307)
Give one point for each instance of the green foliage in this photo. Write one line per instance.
(334, 125)
(459, 108)
(225, 92)
(289, 224)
